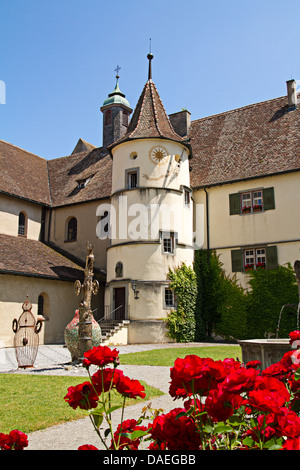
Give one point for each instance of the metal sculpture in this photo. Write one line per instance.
(89, 331)
(26, 340)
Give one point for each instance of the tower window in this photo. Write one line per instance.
(108, 117)
(132, 178)
(22, 225)
(169, 299)
(125, 119)
(72, 230)
(168, 242)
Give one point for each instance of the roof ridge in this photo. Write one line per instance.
(230, 111)
(23, 150)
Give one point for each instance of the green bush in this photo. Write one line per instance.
(211, 293)
(233, 312)
(269, 291)
(180, 323)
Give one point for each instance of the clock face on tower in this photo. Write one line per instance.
(158, 155)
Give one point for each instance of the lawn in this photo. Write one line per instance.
(29, 403)
(166, 357)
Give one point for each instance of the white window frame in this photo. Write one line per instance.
(128, 174)
(257, 255)
(251, 201)
(168, 240)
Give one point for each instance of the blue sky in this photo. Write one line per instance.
(58, 61)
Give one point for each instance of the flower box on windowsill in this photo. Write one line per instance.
(249, 267)
(246, 210)
(257, 208)
(260, 265)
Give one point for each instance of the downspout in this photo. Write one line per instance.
(207, 226)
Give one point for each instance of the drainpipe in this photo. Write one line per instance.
(207, 226)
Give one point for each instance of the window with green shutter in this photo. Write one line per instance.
(247, 259)
(269, 199)
(237, 261)
(251, 201)
(234, 204)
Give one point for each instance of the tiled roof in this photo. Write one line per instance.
(23, 174)
(66, 172)
(253, 141)
(30, 257)
(149, 119)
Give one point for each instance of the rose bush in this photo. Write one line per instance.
(228, 405)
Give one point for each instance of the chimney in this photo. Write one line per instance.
(292, 94)
(181, 122)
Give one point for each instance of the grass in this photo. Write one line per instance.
(166, 357)
(29, 403)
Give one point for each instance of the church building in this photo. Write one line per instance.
(159, 187)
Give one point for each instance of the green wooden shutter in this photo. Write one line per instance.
(272, 259)
(234, 204)
(237, 261)
(269, 199)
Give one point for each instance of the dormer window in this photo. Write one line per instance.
(22, 226)
(83, 182)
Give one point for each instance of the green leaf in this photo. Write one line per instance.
(113, 408)
(135, 434)
(220, 428)
(236, 420)
(249, 442)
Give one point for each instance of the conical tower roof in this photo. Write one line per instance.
(149, 120)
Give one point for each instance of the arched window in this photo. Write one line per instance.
(72, 230)
(22, 227)
(108, 117)
(40, 305)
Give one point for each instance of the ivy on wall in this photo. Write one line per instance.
(180, 322)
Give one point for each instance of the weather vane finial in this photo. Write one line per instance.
(150, 57)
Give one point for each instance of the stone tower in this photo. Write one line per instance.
(151, 218)
(116, 111)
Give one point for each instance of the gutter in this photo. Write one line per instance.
(207, 226)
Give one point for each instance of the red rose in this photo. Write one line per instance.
(278, 370)
(267, 401)
(100, 356)
(130, 388)
(291, 444)
(15, 440)
(289, 423)
(265, 429)
(294, 336)
(253, 364)
(272, 384)
(176, 433)
(87, 447)
(240, 380)
(194, 374)
(221, 404)
(82, 396)
(105, 379)
(128, 426)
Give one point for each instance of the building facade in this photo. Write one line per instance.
(160, 187)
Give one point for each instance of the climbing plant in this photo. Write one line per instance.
(180, 322)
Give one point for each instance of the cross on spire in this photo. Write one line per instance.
(117, 70)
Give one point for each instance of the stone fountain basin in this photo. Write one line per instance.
(267, 351)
